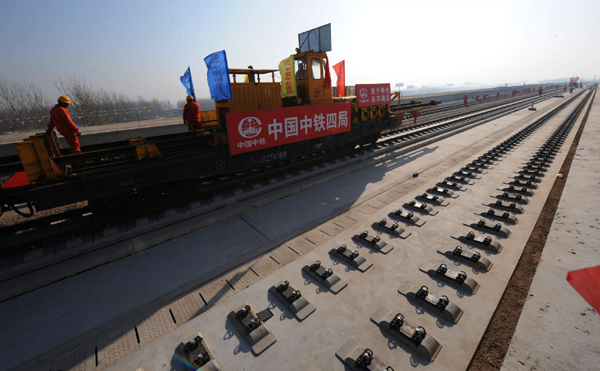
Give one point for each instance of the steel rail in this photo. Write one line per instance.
(46, 230)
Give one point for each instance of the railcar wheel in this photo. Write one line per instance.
(369, 140)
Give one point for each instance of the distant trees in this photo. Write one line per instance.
(19, 101)
(23, 107)
(205, 104)
(96, 106)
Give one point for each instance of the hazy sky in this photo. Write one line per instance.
(142, 47)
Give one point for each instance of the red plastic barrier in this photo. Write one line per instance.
(16, 180)
(586, 282)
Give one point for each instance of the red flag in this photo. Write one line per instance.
(586, 282)
(340, 71)
(327, 80)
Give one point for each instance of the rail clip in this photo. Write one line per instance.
(326, 276)
(442, 192)
(472, 259)
(357, 357)
(473, 169)
(484, 242)
(520, 190)
(482, 164)
(292, 299)
(459, 179)
(352, 257)
(373, 242)
(438, 306)
(513, 198)
(415, 337)
(197, 354)
(421, 207)
(432, 199)
(452, 185)
(512, 207)
(527, 178)
(496, 229)
(521, 183)
(252, 329)
(499, 215)
(406, 217)
(458, 280)
(393, 228)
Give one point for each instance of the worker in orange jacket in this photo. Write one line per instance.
(191, 115)
(61, 119)
(465, 99)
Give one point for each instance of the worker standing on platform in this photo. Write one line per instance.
(540, 91)
(191, 115)
(465, 100)
(61, 119)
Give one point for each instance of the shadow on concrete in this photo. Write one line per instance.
(366, 246)
(230, 333)
(442, 284)
(274, 302)
(309, 280)
(353, 191)
(335, 261)
(422, 309)
(406, 159)
(393, 343)
(461, 265)
(475, 245)
(179, 361)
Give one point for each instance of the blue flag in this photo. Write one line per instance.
(187, 82)
(218, 75)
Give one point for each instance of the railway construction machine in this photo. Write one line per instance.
(255, 127)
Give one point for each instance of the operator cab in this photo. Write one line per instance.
(311, 69)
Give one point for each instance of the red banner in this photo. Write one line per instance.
(372, 94)
(340, 71)
(254, 130)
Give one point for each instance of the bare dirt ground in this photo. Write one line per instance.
(497, 338)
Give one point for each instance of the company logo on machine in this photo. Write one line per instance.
(372, 95)
(250, 127)
(317, 91)
(256, 130)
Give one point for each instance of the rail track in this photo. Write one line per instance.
(76, 233)
(511, 199)
(55, 227)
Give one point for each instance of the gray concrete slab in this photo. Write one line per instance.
(558, 329)
(77, 305)
(88, 300)
(346, 314)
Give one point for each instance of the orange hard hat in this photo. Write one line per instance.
(64, 99)
(189, 97)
